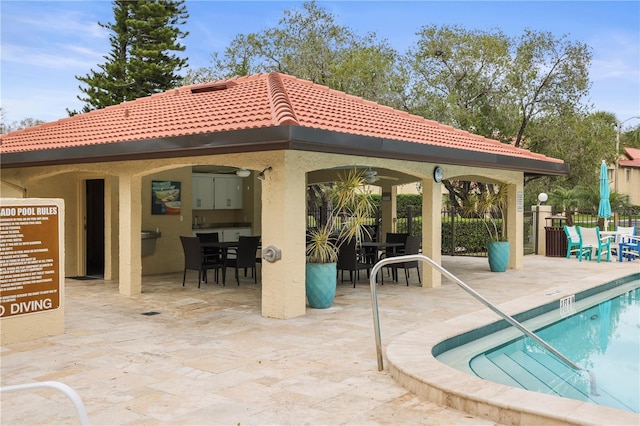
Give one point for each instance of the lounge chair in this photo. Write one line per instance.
(599, 245)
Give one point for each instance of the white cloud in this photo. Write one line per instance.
(64, 57)
(58, 22)
(46, 104)
(615, 55)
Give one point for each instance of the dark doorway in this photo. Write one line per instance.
(95, 227)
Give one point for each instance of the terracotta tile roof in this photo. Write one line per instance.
(258, 101)
(634, 158)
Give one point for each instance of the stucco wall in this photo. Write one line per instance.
(167, 256)
(278, 201)
(630, 185)
(68, 187)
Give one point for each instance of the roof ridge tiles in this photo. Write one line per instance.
(281, 108)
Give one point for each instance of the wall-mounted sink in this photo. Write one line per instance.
(149, 242)
(146, 235)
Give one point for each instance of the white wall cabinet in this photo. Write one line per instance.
(211, 191)
(202, 192)
(227, 192)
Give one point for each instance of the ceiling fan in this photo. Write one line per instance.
(371, 176)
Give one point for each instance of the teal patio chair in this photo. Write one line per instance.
(599, 245)
(574, 243)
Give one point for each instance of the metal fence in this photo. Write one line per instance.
(625, 217)
(529, 242)
(468, 236)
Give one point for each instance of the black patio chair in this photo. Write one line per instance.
(350, 260)
(195, 260)
(210, 253)
(369, 254)
(393, 237)
(411, 246)
(244, 258)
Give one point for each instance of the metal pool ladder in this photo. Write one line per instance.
(472, 292)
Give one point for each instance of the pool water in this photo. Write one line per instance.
(603, 337)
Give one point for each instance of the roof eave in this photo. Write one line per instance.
(308, 139)
(279, 138)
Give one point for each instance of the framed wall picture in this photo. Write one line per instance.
(165, 197)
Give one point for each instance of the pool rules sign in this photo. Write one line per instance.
(31, 252)
(31, 268)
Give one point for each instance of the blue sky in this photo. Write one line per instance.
(45, 44)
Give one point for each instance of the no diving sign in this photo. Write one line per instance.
(29, 259)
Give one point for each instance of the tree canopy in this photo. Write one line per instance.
(144, 38)
(528, 90)
(309, 44)
(494, 85)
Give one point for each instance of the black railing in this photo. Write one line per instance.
(623, 217)
(469, 236)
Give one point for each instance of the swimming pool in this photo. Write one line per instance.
(598, 330)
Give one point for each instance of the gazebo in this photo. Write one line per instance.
(292, 131)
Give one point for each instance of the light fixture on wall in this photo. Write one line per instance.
(261, 175)
(243, 172)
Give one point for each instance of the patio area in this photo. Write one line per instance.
(209, 357)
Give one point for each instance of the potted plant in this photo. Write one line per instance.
(352, 207)
(491, 205)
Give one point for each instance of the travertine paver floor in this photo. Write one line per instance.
(210, 358)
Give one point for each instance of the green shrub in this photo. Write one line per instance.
(404, 200)
(470, 236)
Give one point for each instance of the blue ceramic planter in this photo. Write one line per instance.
(498, 254)
(320, 284)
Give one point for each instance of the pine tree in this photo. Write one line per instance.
(144, 36)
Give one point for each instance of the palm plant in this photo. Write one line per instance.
(566, 200)
(352, 208)
(490, 205)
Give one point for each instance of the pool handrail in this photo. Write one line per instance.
(66, 389)
(472, 292)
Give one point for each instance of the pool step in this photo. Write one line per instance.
(487, 369)
(521, 370)
(539, 372)
(561, 379)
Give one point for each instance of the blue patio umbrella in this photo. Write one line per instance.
(604, 209)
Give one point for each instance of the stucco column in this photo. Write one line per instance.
(284, 226)
(431, 231)
(515, 227)
(539, 214)
(110, 228)
(130, 259)
(389, 214)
